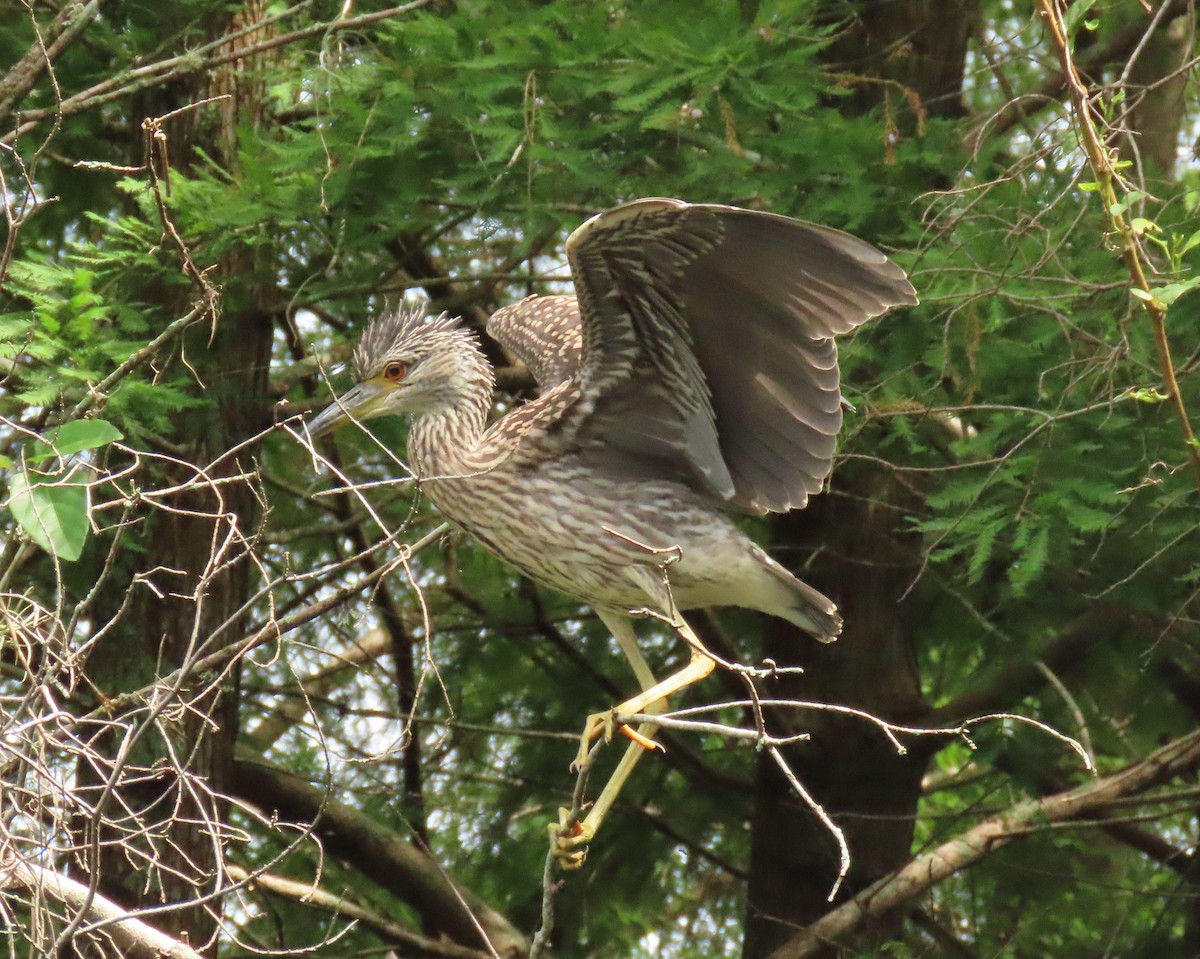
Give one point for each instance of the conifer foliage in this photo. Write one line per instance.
(254, 700)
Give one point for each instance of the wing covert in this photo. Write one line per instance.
(544, 333)
(707, 342)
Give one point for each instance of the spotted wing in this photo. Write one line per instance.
(544, 333)
(708, 343)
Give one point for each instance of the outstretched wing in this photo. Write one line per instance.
(708, 343)
(544, 333)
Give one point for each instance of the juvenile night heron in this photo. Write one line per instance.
(694, 371)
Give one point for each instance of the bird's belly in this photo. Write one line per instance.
(587, 546)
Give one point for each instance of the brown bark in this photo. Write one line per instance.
(890, 52)
(907, 59)
(1160, 92)
(847, 766)
(175, 777)
(115, 932)
(1174, 759)
(68, 24)
(384, 858)
(155, 836)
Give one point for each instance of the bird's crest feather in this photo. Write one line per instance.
(390, 333)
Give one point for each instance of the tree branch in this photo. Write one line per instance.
(382, 857)
(1120, 44)
(309, 895)
(965, 850)
(274, 723)
(128, 936)
(1100, 160)
(1018, 678)
(67, 25)
(195, 61)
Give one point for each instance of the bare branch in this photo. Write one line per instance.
(310, 894)
(382, 856)
(103, 918)
(968, 848)
(213, 55)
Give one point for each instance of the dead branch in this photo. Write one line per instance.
(309, 894)
(387, 859)
(274, 724)
(212, 55)
(129, 936)
(968, 848)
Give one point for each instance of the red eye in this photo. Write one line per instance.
(395, 371)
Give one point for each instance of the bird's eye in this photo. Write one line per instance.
(395, 371)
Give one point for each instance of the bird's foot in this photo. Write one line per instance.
(569, 840)
(604, 725)
(597, 725)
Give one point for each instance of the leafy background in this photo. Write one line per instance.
(202, 216)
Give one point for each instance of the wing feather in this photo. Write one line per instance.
(707, 343)
(544, 333)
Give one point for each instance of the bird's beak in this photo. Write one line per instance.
(360, 403)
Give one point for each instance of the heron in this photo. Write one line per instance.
(692, 375)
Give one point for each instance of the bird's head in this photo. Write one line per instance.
(406, 362)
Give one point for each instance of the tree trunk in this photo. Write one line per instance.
(155, 837)
(1160, 71)
(918, 49)
(848, 766)
(913, 46)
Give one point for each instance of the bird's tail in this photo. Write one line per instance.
(815, 613)
(802, 605)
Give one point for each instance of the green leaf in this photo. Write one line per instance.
(1031, 562)
(1170, 292)
(55, 516)
(1118, 207)
(79, 435)
(1085, 518)
(1076, 13)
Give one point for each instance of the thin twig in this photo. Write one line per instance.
(1100, 160)
(930, 868)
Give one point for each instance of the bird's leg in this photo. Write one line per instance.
(655, 582)
(602, 723)
(569, 840)
(698, 667)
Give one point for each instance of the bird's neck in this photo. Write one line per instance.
(445, 437)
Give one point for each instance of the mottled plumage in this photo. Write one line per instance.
(695, 371)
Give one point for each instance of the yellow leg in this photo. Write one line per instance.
(570, 841)
(623, 631)
(603, 724)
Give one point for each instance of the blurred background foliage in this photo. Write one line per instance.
(207, 200)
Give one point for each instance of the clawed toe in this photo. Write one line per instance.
(568, 840)
(597, 725)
